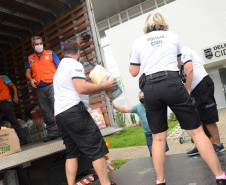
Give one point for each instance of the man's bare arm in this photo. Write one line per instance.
(134, 70)
(122, 109)
(188, 69)
(15, 95)
(29, 77)
(84, 87)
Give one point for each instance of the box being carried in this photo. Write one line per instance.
(99, 74)
(9, 142)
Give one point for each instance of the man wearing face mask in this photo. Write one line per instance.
(139, 109)
(40, 69)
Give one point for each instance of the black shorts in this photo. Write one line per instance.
(169, 91)
(80, 134)
(205, 101)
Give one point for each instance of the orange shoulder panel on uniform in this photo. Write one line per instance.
(4, 90)
(43, 68)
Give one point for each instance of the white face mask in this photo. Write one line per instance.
(39, 48)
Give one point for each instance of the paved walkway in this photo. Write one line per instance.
(174, 144)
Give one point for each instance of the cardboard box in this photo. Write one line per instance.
(9, 142)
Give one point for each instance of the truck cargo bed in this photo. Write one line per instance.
(34, 151)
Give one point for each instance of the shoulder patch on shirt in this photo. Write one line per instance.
(184, 56)
(32, 60)
(78, 70)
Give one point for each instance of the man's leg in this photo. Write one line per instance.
(46, 111)
(11, 117)
(158, 154)
(100, 166)
(214, 132)
(71, 167)
(206, 150)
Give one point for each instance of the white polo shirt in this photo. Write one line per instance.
(156, 51)
(199, 72)
(65, 93)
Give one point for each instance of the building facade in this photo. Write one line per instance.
(200, 25)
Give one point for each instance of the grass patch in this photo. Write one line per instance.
(118, 163)
(131, 136)
(171, 125)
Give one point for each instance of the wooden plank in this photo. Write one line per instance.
(25, 101)
(21, 82)
(19, 73)
(87, 52)
(56, 27)
(61, 18)
(89, 57)
(27, 95)
(104, 111)
(106, 119)
(88, 70)
(59, 51)
(68, 35)
(86, 45)
(97, 100)
(77, 23)
(24, 86)
(13, 66)
(98, 106)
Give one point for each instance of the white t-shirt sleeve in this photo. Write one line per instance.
(78, 71)
(186, 57)
(134, 55)
(178, 47)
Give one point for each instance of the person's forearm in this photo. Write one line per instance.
(28, 75)
(189, 80)
(14, 90)
(90, 88)
(120, 109)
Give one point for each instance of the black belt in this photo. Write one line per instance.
(161, 74)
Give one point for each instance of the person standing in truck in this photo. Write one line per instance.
(40, 69)
(6, 106)
(79, 132)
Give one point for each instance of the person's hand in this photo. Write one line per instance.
(33, 83)
(113, 105)
(109, 85)
(15, 98)
(189, 92)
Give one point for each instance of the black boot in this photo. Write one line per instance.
(221, 182)
(49, 138)
(23, 142)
